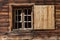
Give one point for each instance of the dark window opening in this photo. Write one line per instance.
(15, 26)
(27, 18)
(29, 11)
(28, 25)
(18, 18)
(25, 11)
(19, 25)
(19, 12)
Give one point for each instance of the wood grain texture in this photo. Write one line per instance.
(44, 17)
(6, 7)
(51, 21)
(57, 16)
(3, 13)
(10, 17)
(38, 17)
(4, 22)
(4, 29)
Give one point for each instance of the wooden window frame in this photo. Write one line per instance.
(10, 12)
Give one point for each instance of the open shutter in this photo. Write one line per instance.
(43, 17)
(51, 17)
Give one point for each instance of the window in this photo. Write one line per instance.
(22, 17)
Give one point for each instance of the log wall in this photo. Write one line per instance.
(12, 37)
(4, 11)
(5, 22)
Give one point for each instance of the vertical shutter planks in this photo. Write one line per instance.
(43, 17)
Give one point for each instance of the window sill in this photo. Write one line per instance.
(22, 30)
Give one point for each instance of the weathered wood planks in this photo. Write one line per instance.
(57, 16)
(44, 17)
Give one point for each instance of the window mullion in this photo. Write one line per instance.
(32, 14)
(22, 19)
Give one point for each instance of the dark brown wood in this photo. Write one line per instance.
(4, 29)
(6, 9)
(6, 20)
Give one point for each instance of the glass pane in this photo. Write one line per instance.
(27, 24)
(15, 26)
(29, 18)
(19, 25)
(15, 12)
(25, 11)
(19, 12)
(25, 18)
(29, 11)
(18, 18)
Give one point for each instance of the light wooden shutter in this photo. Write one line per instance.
(43, 17)
(51, 17)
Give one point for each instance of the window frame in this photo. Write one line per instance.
(10, 12)
(22, 18)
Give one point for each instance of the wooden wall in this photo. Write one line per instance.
(16, 37)
(4, 16)
(4, 11)
(57, 16)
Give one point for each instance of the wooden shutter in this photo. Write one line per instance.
(43, 17)
(51, 17)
